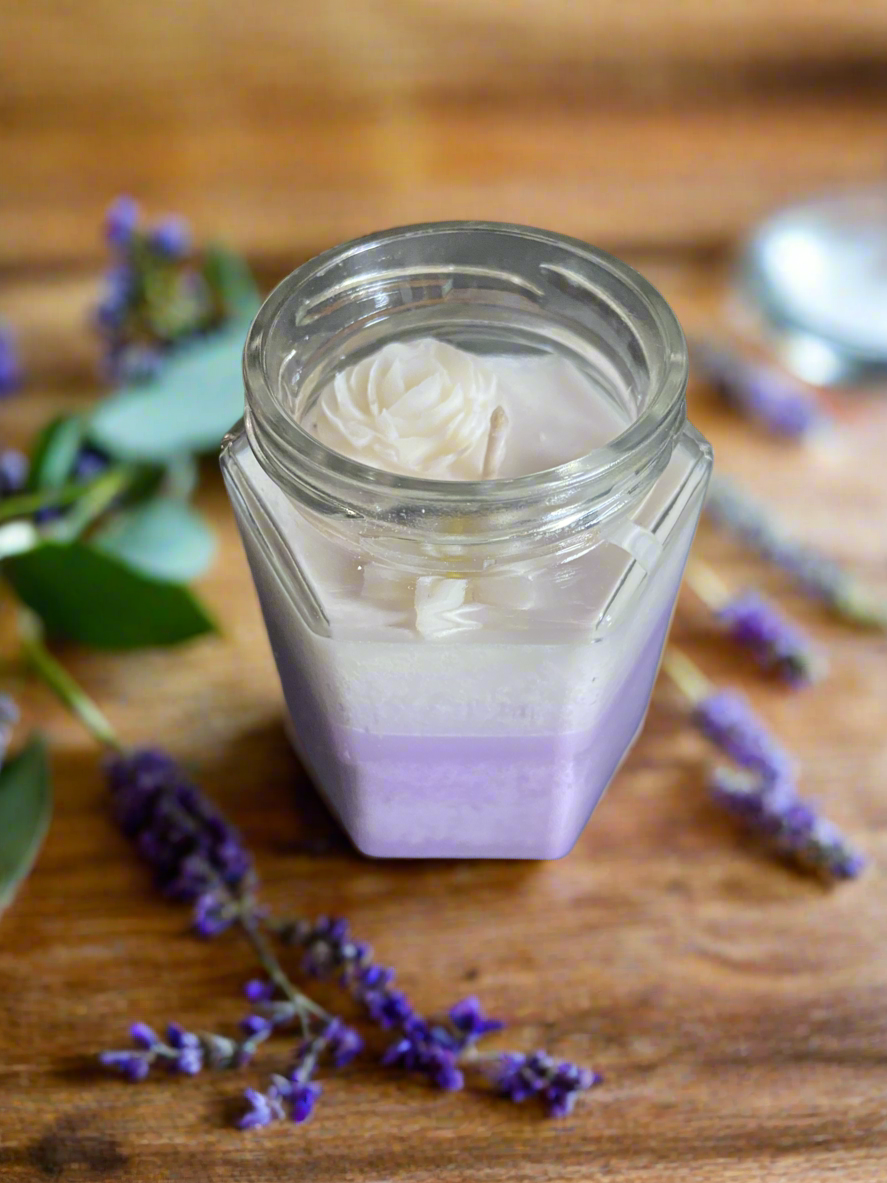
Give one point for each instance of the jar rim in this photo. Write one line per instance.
(296, 460)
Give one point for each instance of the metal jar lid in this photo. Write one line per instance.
(814, 276)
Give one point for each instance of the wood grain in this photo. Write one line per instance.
(295, 125)
(736, 1009)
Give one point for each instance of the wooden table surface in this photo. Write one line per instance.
(737, 1010)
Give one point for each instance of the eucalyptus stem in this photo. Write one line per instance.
(686, 675)
(23, 505)
(97, 497)
(62, 684)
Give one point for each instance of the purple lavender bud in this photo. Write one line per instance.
(444, 1073)
(470, 1021)
(10, 365)
(189, 1061)
(90, 463)
(776, 643)
(178, 1037)
(257, 990)
(260, 1112)
(791, 825)
(254, 1025)
(420, 1050)
(388, 1008)
(171, 237)
(302, 1100)
(567, 1083)
(211, 915)
(121, 222)
(343, 1043)
(14, 468)
(144, 1036)
(726, 719)
(8, 719)
(374, 977)
(760, 392)
(133, 1066)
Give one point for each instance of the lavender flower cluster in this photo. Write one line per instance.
(776, 643)
(760, 392)
(198, 857)
(764, 797)
(157, 293)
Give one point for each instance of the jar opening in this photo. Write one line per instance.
(488, 288)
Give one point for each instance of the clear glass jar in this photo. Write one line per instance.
(466, 663)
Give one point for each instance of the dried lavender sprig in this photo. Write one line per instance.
(725, 718)
(184, 1052)
(296, 1094)
(756, 390)
(439, 1051)
(757, 624)
(819, 575)
(791, 825)
(557, 1085)
(764, 793)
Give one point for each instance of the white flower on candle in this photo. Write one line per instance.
(418, 408)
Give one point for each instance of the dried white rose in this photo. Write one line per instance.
(418, 408)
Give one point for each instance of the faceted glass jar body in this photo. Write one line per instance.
(466, 664)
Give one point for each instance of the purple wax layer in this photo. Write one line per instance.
(475, 797)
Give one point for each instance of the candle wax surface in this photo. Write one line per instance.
(423, 408)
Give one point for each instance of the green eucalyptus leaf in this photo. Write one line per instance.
(54, 452)
(96, 599)
(194, 400)
(164, 538)
(25, 812)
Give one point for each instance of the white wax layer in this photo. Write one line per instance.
(423, 408)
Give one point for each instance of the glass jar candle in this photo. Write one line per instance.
(466, 662)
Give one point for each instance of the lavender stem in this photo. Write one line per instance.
(686, 675)
(304, 1006)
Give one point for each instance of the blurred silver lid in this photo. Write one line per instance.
(814, 277)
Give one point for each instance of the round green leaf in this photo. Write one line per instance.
(195, 399)
(96, 599)
(25, 812)
(164, 538)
